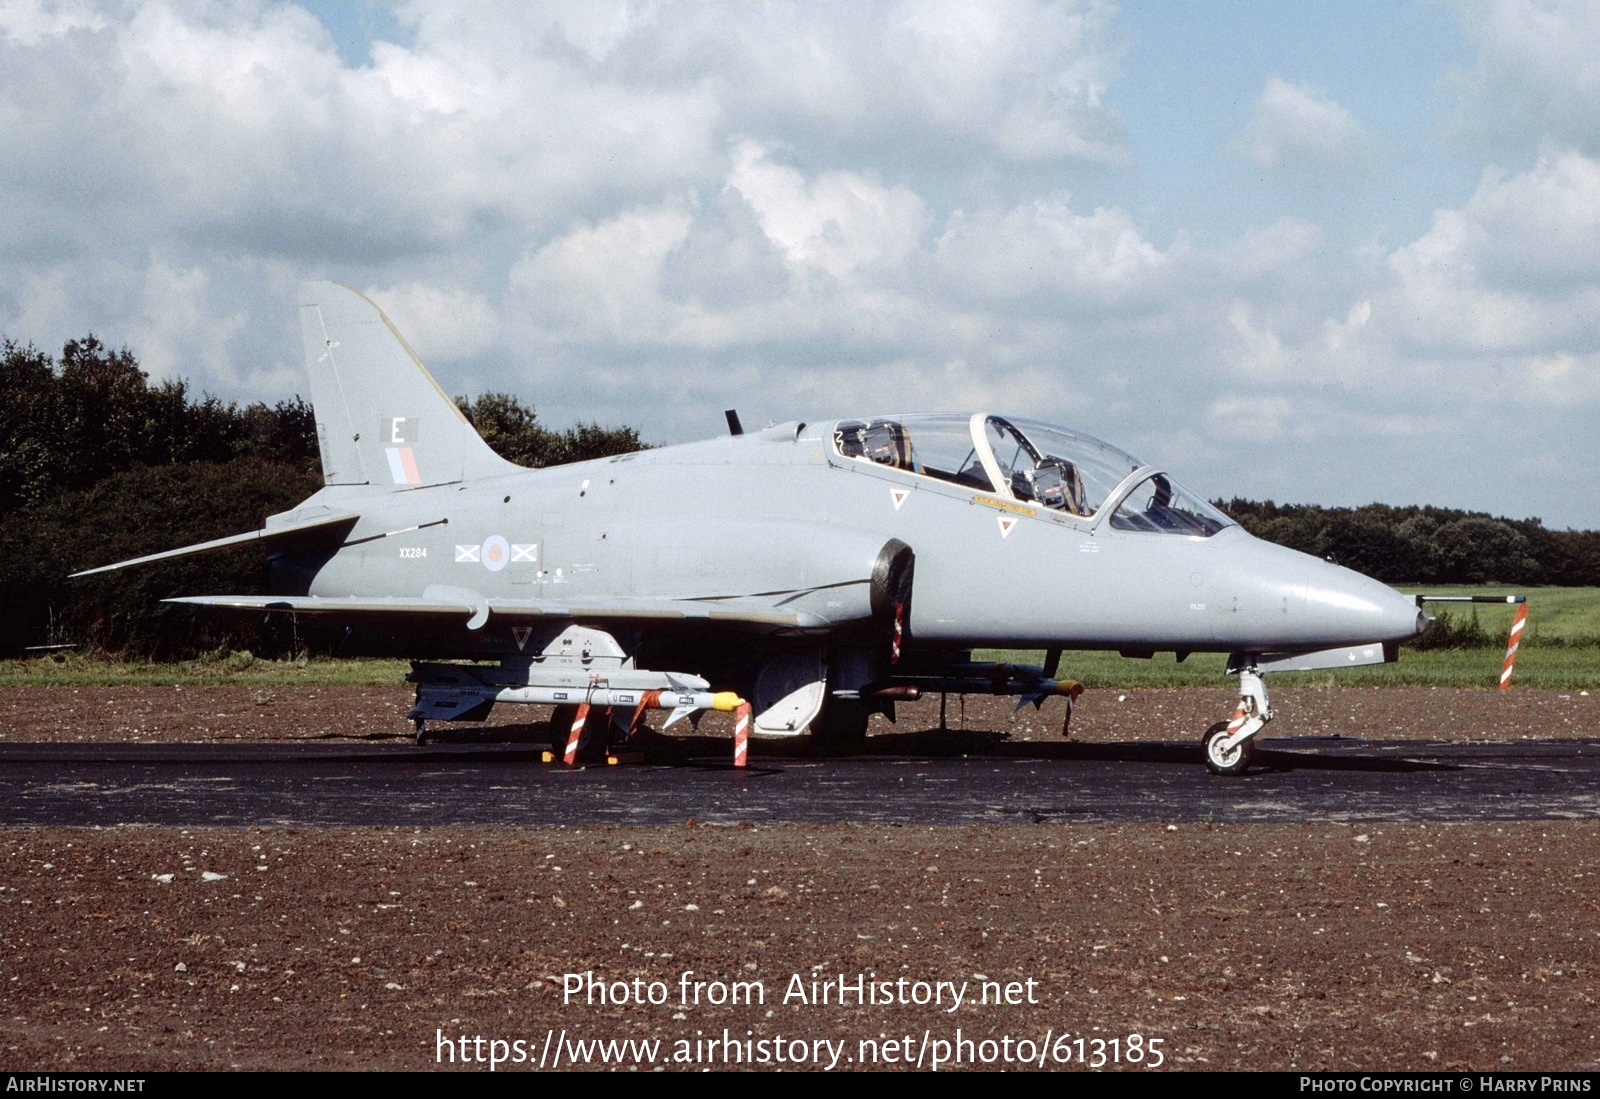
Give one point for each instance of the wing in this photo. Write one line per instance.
(876, 594)
(441, 604)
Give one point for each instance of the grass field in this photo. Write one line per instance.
(242, 669)
(1563, 616)
(1562, 652)
(1551, 668)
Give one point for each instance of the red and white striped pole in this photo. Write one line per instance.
(576, 734)
(649, 700)
(741, 734)
(1511, 645)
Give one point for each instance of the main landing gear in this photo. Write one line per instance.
(1230, 744)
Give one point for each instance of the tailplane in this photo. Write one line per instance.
(381, 418)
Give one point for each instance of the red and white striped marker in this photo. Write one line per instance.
(576, 734)
(899, 631)
(649, 700)
(741, 733)
(1511, 645)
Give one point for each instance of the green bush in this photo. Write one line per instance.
(1445, 631)
(131, 514)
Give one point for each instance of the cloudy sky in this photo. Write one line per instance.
(1324, 252)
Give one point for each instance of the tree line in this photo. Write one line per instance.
(98, 463)
(1427, 545)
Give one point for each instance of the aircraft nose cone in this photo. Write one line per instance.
(1344, 601)
(1291, 599)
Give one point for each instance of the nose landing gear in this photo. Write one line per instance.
(1230, 744)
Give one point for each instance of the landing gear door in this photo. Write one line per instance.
(789, 692)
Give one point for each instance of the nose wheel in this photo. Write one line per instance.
(1222, 756)
(1230, 744)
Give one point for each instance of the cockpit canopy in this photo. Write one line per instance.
(1032, 463)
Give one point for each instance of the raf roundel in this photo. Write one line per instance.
(496, 552)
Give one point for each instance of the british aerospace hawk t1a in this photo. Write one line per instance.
(824, 571)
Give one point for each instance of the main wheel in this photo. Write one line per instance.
(1225, 761)
(591, 742)
(841, 727)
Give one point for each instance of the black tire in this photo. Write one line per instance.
(591, 742)
(1233, 762)
(841, 727)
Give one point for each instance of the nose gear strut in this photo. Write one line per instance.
(1229, 744)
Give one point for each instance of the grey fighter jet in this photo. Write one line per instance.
(824, 571)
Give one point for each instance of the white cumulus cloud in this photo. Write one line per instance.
(440, 322)
(1515, 268)
(838, 223)
(1044, 247)
(1292, 126)
(1536, 74)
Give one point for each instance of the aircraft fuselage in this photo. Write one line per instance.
(730, 516)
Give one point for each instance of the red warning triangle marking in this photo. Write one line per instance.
(1006, 523)
(898, 495)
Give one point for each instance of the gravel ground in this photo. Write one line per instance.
(1318, 945)
(1170, 714)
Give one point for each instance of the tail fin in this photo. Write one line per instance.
(381, 418)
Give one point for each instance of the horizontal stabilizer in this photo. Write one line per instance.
(266, 534)
(344, 604)
(426, 607)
